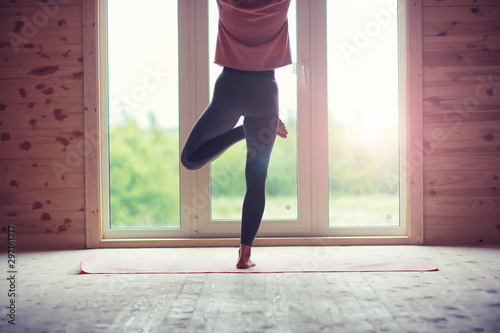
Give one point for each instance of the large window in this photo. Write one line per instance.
(344, 101)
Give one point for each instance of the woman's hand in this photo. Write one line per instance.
(282, 132)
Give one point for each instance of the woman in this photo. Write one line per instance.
(252, 41)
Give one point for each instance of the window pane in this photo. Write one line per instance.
(143, 114)
(363, 113)
(227, 172)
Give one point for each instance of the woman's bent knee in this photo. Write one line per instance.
(189, 164)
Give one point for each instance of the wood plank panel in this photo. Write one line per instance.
(435, 105)
(60, 107)
(461, 58)
(450, 220)
(12, 181)
(42, 71)
(484, 79)
(483, 192)
(33, 64)
(43, 207)
(41, 48)
(431, 118)
(462, 29)
(461, 206)
(28, 166)
(52, 241)
(461, 43)
(40, 120)
(470, 149)
(460, 99)
(460, 14)
(57, 199)
(18, 89)
(47, 135)
(482, 90)
(47, 87)
(56, 149)
(27, 23)
(66, 226)
(459, 74)
(463, 163)
(461, 21)
(47, 105)
(44, 221)
(462, 178)
(450, 235)
(453, 3)
(40, 3)
(471, 117)
(460, 128)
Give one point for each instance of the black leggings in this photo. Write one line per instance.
(237, 93)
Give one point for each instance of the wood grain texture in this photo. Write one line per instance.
(461, 121)
(42, 147)
(40, 3)
(461, 43)
(458, 3)
(461, 297)
(462, 58)
(460, 128)
(30, 23)
(483, 14)
(462, 178)
(461, 21)
(462, 148)
(461, 163)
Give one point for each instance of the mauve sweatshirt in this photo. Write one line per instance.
(253, 34)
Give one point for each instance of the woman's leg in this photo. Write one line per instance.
(214, 131)
(207, 142)
(260, 136)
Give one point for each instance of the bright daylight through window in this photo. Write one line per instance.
(362, 102)
(143, 114)
(363, 112)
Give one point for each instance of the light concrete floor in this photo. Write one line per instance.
(51, 295)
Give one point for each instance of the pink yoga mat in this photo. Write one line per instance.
(97, 265)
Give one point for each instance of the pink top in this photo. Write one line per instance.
(253, 34)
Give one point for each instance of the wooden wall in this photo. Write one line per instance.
(461, 105)
(41, 122)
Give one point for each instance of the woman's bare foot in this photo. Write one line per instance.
(244, 257)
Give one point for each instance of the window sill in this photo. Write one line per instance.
(267, 241)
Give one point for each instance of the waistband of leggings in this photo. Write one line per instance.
(267, 73)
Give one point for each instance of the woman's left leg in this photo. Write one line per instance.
(260, 134)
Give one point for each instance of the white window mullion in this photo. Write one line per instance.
(188, 88)
(304, 65)
(319, 117)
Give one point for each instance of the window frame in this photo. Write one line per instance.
(310, 60)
